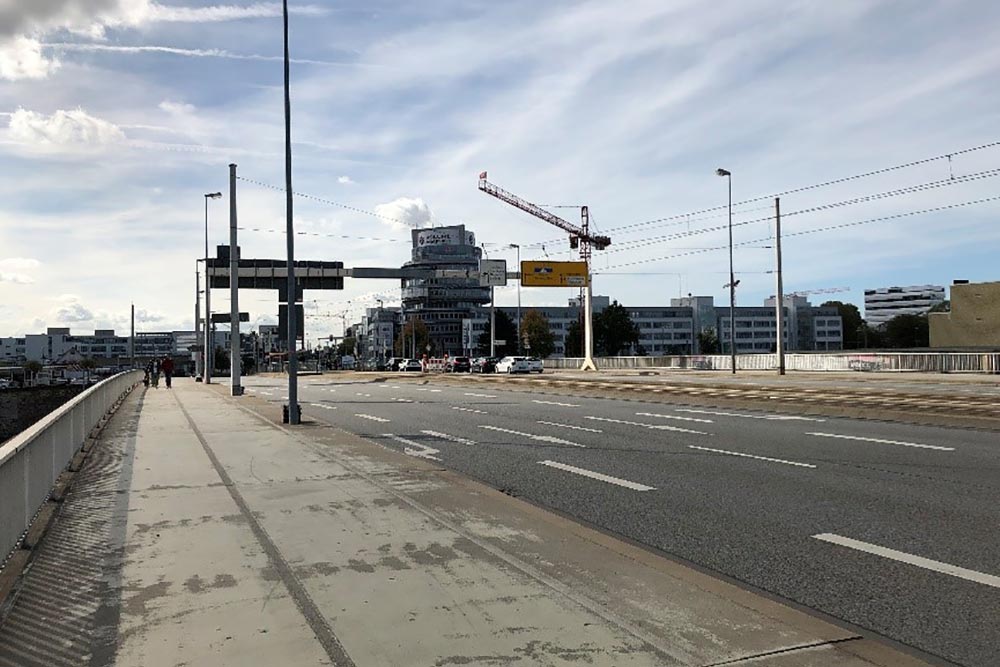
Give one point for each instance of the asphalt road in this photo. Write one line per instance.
(891, 527)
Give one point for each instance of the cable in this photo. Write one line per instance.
(324, 201)
(815, 186)
(921, 187)
(812, 231)
(336, 236)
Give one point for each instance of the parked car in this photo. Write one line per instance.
(6, 384)
(535, 365)
(512, 365)
(458, 365)
(410, 365)
(483, 365)
(393, 363)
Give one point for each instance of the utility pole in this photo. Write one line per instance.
(197, 322)
(293, 362)
(207, 363)
(588, 295)
(131, 339)
(732, 275)
(779, 288)
(235, 349)
(518, 249)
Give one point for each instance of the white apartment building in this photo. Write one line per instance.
(884, 303)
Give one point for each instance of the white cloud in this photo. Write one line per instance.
(405, 213)
(17, 278)
(72, 129)
(21, 58)
(143, 315)
(19, 263)
(190, 53)
(73, 311)
(177, 108)
(346, 180)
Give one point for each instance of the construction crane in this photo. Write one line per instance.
(579, 237)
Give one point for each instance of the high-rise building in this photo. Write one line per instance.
(884, 303)
(442, 303)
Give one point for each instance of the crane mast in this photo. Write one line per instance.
(579, 236)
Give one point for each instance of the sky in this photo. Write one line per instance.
(116, 116)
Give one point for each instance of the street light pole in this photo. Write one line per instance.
(732, 275)
(206, 364)
(197, 322)
(293, 362)
(518, 248)
(493, 316)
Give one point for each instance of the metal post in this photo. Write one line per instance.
(779, 296)
(732, 281)
(588, 296)
(519, 341)
(197, 320)
(293, 362)
(207, 365)
(235, 349)
(131, 340)
(493, 325)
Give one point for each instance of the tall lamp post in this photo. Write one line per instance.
(293, 362)
(732, 276)
(493, 314)
(518, 249)
(206, 365)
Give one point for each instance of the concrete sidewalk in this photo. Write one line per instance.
(235, 541)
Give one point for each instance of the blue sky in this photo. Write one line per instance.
(117, 115)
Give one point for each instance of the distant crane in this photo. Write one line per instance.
(579, 237)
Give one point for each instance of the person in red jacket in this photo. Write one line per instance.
(167, 368)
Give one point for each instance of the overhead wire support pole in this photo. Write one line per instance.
(588, 306)
(293, 362)
(235, 349)
(779, 303)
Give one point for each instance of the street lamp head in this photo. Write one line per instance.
(213, 195)
(514, 245)
(722, 172)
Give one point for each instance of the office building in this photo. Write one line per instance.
(885, 303)
(973, 320)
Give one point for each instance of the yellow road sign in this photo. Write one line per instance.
(553, 274)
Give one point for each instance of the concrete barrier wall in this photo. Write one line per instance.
(927, 362)
(31, 461)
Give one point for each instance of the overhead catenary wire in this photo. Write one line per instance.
(911, 189)
(816, 230)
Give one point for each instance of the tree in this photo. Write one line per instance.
(943, 307)
(537, 335)
(506, 330)
(850, 318)
(414, 325)
(32, 368)
(574, 339)
(708, 341)
(614, 331)
(87, 364)
(348, 344)
(907, 331)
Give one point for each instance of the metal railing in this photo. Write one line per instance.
(926, 362)
(31, 461)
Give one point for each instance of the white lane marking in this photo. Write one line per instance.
(737, 414)
(881, 441)
(435, 391)
(469, 393)
(422, 389)
(752, 456)
(415, 448)
(472, 410)
(403, 400)
(565, 405)
(324, 406)
(395, 386)
(453, 438)
(657, 427)
(910, 559)
(540, 438)
(360, 394)
(371, 417)
(683, 419)
(635, 486)
(570, 426)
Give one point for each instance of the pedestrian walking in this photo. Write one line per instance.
(167, 366)
(156, 373)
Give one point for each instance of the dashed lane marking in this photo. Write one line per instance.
(452, 438)
(371, 417)
(683, 419)
(572, 427)
(540, 438)
(469, 393)
(564, 405)
(911, 559)
(414, 448)
(472, 410)
(655, 427)
(752, 456)
(883, 442)
(746, 416)
(365, 395)
(635, 486)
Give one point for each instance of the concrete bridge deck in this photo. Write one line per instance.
(201, 532)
